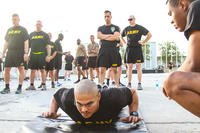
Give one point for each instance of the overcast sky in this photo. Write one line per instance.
(81, 18)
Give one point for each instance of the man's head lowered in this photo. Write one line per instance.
(87, 98)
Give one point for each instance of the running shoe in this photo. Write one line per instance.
(5, 91)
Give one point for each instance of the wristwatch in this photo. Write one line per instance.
(134, 113)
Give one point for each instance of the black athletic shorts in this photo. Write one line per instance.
(58, 63)
(109, 57)
(50, 65)
(68, 66)
(92, 62)
(14, 58)
(37, 61)
(80, 61)
(134, 55)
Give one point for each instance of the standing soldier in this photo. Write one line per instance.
(50, 66)
(134, 53)
(58, 58)
(81, 59)
(93, 49)
(108, 57)
(39, 55)
(16, 50)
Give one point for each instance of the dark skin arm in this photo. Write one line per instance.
(133, 107)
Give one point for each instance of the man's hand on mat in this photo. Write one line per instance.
(130, 119)
(50, 115)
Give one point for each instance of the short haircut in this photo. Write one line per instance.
(107, 11)
(175, 3)
(15, 15)
(60, 35)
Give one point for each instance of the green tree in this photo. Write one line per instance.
(169, 53)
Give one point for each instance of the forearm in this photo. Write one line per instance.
(5, 47)
(133, 107)
(54, 106)
(122, 40)
(54, 54)
(59, 52)
(26, 47)
(48, 50)
(102, 36)
(112, 38)
(147, 38)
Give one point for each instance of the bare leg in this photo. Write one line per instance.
(139, 72)
(102, 75)
(80, 72)
(21, 74)
(91, 74)
(97, 73)
(7, 74)
(129, 71)
(183, 87)
(51, 75)
(32, 76)
(43, 76)
(116, 76)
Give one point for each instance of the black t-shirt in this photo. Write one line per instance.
(39, 42)
(59, 49)
(16, 36)
(193, 18)
(111, 29)
(111, 103)
(53, 47)
(69, 59)
(134, 34)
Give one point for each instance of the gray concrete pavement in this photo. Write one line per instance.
(160, 114)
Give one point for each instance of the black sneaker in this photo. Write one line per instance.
(84, 78)
(99, 87)
(5, 91)
(44, 88)
(139, 87)
(52, 85)
(113, 83)
(31, 87)
(40, 86)
(19, 91)
(77, 81)
(104, 86)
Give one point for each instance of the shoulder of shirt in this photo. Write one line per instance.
(195, 3)
(22, 27)
(114, 25)
(102, 26)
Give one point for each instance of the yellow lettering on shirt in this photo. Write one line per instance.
(96, 122)
(131, 32)
(37, 37)
(14, 32)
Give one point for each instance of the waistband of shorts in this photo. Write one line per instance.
(135, 46)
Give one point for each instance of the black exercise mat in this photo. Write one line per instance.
(66, 125)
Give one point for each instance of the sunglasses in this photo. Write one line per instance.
(130, 19)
